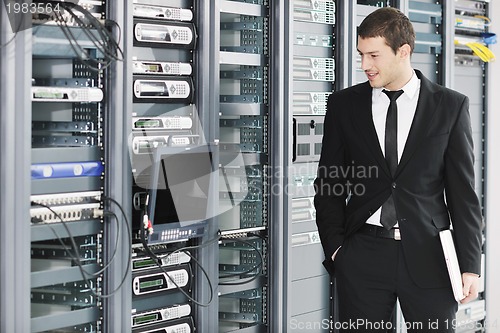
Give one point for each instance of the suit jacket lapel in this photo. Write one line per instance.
(428, 102)
(363, 120)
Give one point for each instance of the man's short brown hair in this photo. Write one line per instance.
(391, 24)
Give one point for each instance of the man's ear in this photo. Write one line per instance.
(405, 51)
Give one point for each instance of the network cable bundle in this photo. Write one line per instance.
(478, 46)
(471, 32)
(84, 25)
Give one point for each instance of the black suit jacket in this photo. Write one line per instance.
(354, 179)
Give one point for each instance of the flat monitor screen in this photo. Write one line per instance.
(180, 186)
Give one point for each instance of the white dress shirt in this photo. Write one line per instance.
(407, 105)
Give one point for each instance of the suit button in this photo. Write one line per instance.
(394, 185)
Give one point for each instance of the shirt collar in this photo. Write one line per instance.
(410, 88)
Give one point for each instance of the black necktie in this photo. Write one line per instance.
(388, 216)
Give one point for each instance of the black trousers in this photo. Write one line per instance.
(371, 275)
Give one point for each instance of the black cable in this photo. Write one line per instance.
(248, 271)
(103, 33)
(100, 29)
(77, 257)
(196, 247)
(200, 246)
(103, 42)
(230, 193)
(114, 23)
(158, 262)
(117, 240)
(210, 286)
(94, 64)
(129, 234)
(259, 265)
(9, 41)
(73, 42)
(15, 32)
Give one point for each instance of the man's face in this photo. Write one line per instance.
(382, 67)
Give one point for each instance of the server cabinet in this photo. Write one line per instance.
(59, 63)
(469, 40)
(244, 120)
(69, 254)
(312, 65)
(173, 168)
(226, 45)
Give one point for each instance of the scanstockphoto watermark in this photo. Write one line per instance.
(342, 181)
(341, 189)
(336, 180)
(362, 325)
(365, 325)
(350, 171)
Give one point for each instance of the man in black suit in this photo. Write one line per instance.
(394, 168)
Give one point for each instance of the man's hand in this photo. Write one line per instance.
(470, 282)
(335, 253)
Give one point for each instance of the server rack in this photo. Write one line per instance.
(168, 70)
(470, 24)
(69, 261)
(312, 67)
(231, 61)
(63, 105)
(244, 118)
